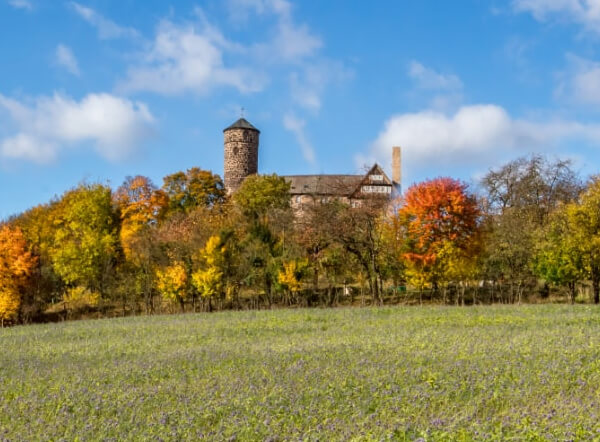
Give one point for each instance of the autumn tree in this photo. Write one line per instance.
(38, 227)
(440, 219)
(209, 278)
(16, 266)
(519, 199)
(141, 205)
(84, 246)
(263, 203)
(358, 231)
(172, 282)
(584, 232)
(291, 275)
(193, 188)
(558, 257)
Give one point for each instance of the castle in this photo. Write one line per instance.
(241, 141)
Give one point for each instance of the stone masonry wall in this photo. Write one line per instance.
(241, 156)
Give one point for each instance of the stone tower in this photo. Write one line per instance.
(241, 153)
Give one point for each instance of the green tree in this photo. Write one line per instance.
(263, 204)
(193, 188)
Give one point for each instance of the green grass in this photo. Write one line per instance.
(526, 373)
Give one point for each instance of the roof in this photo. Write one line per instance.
(342, 185)
(242, 123)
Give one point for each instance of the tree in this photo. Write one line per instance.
(584, 231)
(358, 230)
(141, 205)
(558, 259)
(38, 226)
(440, 219)
(291, 275)
(520, 196)
(209, 278)
(85, 240)
(172, 282)
(263, 203)
(16, 266)
(262, 195)
(534, 185)
(193, 188)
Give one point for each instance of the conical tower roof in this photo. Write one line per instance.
(242, 123)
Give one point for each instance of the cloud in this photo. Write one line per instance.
(21, 4)
(107, 29)
(184, 59)
(113, 125)
(580, 84)
(290, 42)
(66, 59)
(427, 78)
(296, 126)
(471, 135)
(308, 85)
(582, 12)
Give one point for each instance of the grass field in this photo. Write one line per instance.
(430, 373)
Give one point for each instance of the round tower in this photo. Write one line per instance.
(241, 153)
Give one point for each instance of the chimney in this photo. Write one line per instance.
(397, 166)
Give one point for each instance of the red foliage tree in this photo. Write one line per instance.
(436, 213)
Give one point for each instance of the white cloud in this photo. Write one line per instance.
(427, 78)
(185, 59)
(583, 12)
(296, 126)
(290, 42)
(239, 9)
(66, 58)
(471, 135)
(113, 125)
(107, 29)
(293, 42)
(581, 82)
(308, 85)
(21, 4)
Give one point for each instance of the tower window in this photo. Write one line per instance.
(235, 150)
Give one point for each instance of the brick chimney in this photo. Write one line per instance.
(397, 166)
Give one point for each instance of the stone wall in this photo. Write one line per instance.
(241, 156)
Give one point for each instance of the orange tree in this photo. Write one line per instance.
(16, 265)
(437, 215)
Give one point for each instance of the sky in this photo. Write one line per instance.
(98, 90)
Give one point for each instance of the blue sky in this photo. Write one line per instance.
(97, 90)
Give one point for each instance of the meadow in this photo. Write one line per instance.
(388, 373)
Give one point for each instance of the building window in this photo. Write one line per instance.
(376, 189)
(376, 178)
(298, 199)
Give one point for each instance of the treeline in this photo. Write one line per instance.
(530, 229)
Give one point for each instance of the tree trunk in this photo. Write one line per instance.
(572, 292)
(596, 286)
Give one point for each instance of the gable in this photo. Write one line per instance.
(374, 182)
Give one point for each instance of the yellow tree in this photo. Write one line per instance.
(141, 205)
(171, 281)
(16, 265)
(83, 247)
(209, 278)
(291, 275)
